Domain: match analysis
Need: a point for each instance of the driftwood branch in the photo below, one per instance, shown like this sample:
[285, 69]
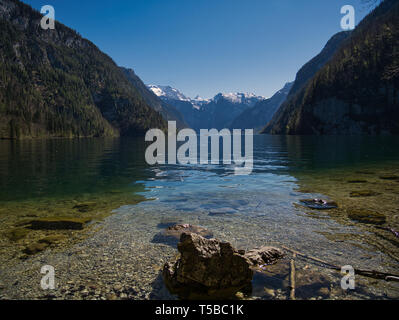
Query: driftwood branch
[367, 273]
[292, 278]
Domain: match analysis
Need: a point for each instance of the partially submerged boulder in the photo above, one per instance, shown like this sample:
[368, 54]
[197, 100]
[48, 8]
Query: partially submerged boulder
[264, 256]
[212, 269]
[319, 204]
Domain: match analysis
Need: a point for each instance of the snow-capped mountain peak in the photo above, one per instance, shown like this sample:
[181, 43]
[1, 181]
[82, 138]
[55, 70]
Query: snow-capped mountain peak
[168, 92]
[238, 97]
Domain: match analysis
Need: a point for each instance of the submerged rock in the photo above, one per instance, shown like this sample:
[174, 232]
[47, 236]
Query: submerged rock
[58, 223]
[389, 177]
[16, 234]
[172, 234]
[212, 269]
[34, 248]
[168, 222]
[366, 216]
[363, 193]
[177, 230]
[319, 204]
[85, 206]
[222, 212]
[52, 239]
[357, 181]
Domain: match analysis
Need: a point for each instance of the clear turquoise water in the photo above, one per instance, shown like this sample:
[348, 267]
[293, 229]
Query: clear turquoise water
[258, 209]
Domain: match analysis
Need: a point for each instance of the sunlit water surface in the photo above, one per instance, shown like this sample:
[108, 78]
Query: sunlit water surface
[250, 210]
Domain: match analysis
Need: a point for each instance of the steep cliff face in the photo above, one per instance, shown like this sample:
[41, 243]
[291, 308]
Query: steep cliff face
[54, 83]
[308, 71]
[357, 91]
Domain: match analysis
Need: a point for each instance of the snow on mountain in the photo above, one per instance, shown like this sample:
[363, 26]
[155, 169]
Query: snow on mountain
[241, 98]
[168, 92]
[174, 94]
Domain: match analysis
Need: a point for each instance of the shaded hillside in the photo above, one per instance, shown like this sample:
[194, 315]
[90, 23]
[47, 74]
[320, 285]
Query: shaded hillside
[168, 112]
[53, 83]
[256, 117]
[357, 91]
[308, 71]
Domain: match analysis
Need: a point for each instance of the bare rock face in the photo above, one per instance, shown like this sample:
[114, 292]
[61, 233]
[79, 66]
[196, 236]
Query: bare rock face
[209, 268]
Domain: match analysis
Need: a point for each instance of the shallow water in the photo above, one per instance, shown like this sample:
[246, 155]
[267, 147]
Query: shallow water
[248, 211]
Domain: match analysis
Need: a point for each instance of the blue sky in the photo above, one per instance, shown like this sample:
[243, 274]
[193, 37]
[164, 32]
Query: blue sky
[207, 46]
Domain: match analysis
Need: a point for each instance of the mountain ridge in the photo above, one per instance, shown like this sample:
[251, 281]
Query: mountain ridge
[357, 91]
[54, 83]
[215, 113]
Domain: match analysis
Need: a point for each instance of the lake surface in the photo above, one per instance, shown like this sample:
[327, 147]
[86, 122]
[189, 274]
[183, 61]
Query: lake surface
[50, 178]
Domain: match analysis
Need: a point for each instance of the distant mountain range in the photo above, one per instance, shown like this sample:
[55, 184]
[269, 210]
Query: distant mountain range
[218, 112]
[356, 90]
[54, 83]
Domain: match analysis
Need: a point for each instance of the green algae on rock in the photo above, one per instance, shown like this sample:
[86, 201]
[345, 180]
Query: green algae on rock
[55, 238]
[357, 181]
[85, 207]
[389, 177]
[363, 193]
[366, 216]
[16, 234]
[58, 223]
[34, 248]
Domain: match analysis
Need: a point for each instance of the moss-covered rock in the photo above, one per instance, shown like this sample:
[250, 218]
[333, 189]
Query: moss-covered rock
[363, 193]
[34, 248]
[16, 234]
[389, 177]
[357, 181]
[85, 206]
[366, 216]
[58, 223]
[56, 238]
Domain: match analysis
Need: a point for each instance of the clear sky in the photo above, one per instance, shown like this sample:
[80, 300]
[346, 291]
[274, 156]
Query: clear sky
[207, 46]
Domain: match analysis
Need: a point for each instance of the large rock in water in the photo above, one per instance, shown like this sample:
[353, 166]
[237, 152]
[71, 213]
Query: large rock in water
[211, 269]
